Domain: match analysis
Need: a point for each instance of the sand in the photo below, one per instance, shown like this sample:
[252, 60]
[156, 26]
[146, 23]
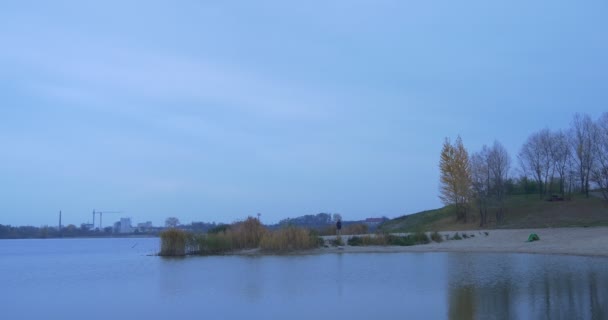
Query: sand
[570, 241]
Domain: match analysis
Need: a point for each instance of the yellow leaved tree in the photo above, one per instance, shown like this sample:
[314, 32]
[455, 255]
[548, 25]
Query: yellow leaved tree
[455, 177]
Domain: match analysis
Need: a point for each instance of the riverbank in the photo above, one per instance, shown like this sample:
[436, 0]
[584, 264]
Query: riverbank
[568, 241]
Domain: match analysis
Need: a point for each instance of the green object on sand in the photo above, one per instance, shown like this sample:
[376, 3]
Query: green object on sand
[533, 237]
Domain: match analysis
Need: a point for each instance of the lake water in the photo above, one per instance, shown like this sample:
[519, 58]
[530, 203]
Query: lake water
[115, 279]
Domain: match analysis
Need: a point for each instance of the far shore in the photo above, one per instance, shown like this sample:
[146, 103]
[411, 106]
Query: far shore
[591, 241]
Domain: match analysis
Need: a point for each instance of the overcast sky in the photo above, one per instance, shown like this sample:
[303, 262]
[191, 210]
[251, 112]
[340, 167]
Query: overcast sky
[215, 110]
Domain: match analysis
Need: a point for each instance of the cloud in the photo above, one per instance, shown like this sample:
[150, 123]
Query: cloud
[88, 72]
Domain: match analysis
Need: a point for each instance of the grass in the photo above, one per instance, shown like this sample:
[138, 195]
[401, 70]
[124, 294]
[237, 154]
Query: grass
[521, 211]
[417, 221]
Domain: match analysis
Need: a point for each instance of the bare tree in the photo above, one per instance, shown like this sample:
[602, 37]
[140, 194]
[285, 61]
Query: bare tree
[480, 182]
[499, 163]
[535, 158]
[561, 156]
[599, 172]
[582, 143]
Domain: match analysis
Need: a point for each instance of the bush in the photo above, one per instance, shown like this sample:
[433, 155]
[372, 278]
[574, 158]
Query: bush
[337, 242]
[173, 243]
[456, 237]
[420, 238]
[435, 236]
[378, 240]
[400, 241]
[355, 241]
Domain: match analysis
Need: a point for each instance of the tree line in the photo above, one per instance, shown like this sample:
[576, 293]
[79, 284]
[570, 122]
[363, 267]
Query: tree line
[552, 163]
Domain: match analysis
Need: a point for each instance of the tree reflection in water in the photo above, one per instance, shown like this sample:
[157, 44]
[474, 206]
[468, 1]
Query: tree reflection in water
[518, 286]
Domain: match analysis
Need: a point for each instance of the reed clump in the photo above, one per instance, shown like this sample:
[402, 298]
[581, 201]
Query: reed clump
[246, 234]
[288, 239]
[173, 243]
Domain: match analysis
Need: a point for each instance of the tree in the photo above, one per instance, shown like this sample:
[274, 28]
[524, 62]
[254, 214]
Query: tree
[499, 163]
[561, 157]
[480, 181]
[455, 177]
[535, 158]
[171, 222]
[489, 173]
[599, 172]
[582, 136]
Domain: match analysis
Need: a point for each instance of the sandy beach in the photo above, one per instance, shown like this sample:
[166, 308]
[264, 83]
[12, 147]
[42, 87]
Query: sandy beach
[571, 241]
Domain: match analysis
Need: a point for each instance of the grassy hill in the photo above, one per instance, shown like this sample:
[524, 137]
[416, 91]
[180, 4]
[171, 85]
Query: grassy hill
[521, 211]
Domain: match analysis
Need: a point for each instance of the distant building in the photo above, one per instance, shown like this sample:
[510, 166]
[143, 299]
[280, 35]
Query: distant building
[123, 226]
[144, 226]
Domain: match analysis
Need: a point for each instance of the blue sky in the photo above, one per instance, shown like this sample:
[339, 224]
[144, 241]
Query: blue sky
[215, 110]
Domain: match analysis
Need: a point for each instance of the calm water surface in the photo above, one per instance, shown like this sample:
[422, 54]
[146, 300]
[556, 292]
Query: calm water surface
[115, 279]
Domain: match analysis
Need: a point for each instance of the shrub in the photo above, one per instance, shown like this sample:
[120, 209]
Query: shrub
[355, 241]
[435, 236]
[173, 243]
[420, 238]
[337, 241]
[464, 235]
[456, 237]
[378, 240]
[400, 240]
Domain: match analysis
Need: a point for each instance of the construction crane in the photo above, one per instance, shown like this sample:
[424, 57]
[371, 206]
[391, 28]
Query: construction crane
[100, 217]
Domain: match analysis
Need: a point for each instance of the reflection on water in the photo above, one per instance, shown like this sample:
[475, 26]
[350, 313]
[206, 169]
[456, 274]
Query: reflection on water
[493, 286]
[113, 279]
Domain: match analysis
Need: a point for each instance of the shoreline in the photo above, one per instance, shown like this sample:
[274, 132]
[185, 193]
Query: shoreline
[576, 241]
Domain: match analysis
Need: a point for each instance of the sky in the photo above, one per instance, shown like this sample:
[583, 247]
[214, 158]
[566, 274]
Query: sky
[216, 110]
